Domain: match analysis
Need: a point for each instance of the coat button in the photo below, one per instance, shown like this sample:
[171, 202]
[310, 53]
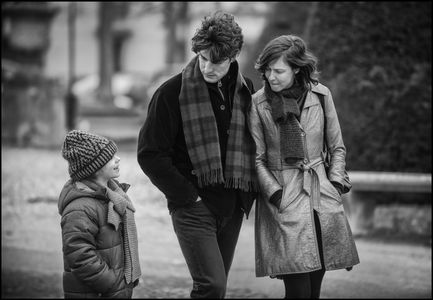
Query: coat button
[222, 107]
[193, 172]
[305, 160]
[302, 133]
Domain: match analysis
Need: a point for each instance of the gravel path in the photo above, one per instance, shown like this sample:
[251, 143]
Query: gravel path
[32, 259]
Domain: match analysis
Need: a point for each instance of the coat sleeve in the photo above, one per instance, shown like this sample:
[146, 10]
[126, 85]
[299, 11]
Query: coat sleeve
[79, 228]
[267, 181]
[337, 171]
[156, 141]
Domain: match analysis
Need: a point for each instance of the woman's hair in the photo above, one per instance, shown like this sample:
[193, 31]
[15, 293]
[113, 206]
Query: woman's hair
[219, 34]
[295, 53]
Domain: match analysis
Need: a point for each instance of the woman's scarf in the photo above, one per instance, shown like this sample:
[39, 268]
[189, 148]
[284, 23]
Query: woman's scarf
[286, 112]
[201, 134]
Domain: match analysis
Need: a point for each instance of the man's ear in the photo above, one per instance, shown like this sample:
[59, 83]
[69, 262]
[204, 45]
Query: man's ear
[234, 57]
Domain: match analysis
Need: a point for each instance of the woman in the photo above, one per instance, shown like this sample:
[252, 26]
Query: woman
[300, 227]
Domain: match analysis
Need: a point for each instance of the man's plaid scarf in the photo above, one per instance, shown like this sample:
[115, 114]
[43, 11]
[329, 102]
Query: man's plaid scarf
[201, 134]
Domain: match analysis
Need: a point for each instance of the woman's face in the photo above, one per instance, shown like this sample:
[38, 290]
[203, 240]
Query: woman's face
[110, 170]
[280, 75]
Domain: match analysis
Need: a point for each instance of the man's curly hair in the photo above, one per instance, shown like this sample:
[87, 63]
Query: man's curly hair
[221, 35]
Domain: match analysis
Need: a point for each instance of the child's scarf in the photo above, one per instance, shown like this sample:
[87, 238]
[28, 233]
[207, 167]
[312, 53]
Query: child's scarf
[120, 208]
[201, 134]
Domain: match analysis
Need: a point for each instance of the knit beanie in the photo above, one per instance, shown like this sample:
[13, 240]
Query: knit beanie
[86, 153]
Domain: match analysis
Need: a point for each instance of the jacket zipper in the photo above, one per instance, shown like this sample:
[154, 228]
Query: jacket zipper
[219, 90]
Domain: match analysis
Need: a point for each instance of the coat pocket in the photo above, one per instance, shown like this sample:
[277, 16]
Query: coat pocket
[292, 187]
[329, 190]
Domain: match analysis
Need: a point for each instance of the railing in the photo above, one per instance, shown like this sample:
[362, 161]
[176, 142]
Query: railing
[361, 209]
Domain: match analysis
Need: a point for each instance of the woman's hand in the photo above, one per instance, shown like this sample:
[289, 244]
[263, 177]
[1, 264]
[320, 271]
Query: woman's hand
[276, 198]
[338, 187]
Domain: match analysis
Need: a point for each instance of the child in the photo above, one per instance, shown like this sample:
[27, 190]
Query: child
[100, 248]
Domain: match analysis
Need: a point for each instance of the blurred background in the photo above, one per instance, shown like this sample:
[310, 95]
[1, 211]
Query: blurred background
[95, 66]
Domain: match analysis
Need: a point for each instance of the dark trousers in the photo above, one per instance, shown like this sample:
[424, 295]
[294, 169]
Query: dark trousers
[208, 244]
[306, 285]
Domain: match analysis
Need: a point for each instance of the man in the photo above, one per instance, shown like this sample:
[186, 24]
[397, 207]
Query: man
[196, 148]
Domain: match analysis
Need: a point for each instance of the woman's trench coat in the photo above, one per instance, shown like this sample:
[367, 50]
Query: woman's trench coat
[285, 238]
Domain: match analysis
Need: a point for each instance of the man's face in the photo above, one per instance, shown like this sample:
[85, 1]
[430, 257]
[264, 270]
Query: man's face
[212, 72]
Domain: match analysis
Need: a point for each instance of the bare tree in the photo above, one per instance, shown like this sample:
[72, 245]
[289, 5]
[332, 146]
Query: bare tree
[106, 60]
[71, 100]
[176, 22]
[310, 20]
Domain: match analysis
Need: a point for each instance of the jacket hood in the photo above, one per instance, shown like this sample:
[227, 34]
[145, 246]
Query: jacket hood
[75, 190]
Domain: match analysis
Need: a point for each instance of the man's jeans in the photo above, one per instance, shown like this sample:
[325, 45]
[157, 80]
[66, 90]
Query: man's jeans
[208, 244]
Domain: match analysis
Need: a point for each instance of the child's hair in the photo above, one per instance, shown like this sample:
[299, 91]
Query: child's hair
[86, 153]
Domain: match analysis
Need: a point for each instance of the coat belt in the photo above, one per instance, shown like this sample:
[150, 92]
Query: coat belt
[311, 182]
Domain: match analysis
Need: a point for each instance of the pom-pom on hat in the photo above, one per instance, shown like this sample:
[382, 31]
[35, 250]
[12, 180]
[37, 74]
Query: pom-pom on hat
[86, 153]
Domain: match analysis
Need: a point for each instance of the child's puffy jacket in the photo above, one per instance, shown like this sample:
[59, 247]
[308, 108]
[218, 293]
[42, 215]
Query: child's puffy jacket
[92, 248]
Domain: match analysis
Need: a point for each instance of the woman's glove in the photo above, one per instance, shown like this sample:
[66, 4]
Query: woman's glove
[276, 198]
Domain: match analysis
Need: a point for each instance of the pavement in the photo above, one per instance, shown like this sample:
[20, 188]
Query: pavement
[31, 258]
[387, 270]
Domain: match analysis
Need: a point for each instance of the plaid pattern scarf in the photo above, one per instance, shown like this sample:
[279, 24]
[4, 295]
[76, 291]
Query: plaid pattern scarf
[201, 134]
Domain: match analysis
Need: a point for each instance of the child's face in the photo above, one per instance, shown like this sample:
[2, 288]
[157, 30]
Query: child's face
[110, 170]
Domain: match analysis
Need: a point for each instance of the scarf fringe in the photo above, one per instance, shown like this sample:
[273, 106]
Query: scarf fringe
[242, 184]
[216, 176]
[211, 177]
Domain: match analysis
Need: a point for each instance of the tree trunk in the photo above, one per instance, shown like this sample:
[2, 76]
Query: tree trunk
[310, 21]
[176, 23]
[71, 99]
[106, 14]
